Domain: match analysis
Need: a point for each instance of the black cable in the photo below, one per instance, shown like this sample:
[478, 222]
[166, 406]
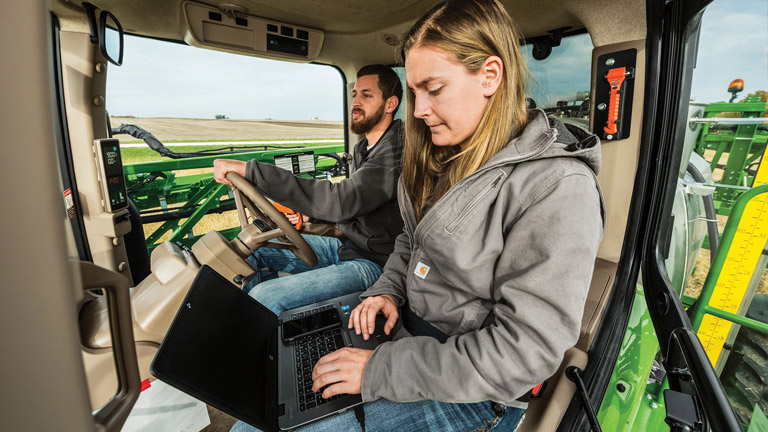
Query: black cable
[360, 416]
[156, 145]
[573, 373]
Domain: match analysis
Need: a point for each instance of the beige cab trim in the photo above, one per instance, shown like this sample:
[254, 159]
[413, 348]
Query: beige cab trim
[247, 37]
[113, 414]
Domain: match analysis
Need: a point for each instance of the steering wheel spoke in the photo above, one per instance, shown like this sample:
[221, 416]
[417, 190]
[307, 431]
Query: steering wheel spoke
[270, 222]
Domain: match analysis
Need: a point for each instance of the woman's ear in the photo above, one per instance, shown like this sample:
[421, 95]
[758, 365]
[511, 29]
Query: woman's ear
[492, 71]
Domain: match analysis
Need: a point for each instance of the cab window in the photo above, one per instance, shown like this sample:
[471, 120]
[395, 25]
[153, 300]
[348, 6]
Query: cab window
[201, 104]
[716, 239]
[560, 83]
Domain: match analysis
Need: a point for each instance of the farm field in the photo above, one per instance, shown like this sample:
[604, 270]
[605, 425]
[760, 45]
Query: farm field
[185, 129]
[180, 130]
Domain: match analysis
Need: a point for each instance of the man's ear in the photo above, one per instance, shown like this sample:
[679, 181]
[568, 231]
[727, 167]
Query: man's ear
[390, 105]
[492, 72]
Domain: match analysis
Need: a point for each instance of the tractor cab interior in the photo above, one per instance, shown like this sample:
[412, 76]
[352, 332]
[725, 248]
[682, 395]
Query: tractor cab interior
[346, 35]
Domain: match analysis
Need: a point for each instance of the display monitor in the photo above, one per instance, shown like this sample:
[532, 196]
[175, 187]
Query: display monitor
[111, 174]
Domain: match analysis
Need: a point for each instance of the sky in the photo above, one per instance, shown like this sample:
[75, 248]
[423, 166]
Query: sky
[561, 75]
[161, 79]
[733, 44]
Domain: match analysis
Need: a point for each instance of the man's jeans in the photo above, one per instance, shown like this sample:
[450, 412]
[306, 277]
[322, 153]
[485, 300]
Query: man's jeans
[306, 285]
[386, 416]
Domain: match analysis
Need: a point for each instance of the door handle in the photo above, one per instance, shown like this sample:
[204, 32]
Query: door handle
[116, 287]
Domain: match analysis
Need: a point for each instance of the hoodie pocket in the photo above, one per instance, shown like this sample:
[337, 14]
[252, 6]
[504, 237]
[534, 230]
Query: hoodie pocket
[451, 228]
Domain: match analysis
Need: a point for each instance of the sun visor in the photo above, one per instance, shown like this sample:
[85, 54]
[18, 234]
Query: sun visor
[237, 31]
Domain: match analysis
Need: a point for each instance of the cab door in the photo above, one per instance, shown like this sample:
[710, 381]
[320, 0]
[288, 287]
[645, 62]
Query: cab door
[695, 398]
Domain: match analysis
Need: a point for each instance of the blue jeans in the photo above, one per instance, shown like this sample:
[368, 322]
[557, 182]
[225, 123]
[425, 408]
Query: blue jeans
[306, 285]
[386, 416]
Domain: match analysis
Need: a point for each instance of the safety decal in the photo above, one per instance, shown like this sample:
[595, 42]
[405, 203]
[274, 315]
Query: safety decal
[69, 203]
[421, 270]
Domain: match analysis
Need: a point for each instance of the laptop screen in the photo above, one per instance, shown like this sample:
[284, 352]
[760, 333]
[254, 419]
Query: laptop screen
[221, 348]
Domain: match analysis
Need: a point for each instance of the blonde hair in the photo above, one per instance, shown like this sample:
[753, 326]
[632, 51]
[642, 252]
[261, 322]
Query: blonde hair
[470, 31]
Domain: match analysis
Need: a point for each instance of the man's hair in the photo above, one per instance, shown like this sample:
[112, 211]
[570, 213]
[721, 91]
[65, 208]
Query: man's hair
[389, 82]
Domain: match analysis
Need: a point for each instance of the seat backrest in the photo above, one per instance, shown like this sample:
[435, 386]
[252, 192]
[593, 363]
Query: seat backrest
[545, 412]
[154, 301]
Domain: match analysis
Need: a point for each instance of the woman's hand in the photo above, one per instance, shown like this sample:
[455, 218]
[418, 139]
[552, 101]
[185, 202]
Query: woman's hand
[341, 370]
[363, 317]
[222, 166]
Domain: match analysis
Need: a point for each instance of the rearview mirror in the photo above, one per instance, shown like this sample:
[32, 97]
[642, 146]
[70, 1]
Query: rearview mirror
[111, 38]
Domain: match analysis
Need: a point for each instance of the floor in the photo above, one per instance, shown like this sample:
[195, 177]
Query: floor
[220, 422]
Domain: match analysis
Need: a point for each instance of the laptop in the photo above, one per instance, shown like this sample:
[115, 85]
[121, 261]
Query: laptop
[230, 351]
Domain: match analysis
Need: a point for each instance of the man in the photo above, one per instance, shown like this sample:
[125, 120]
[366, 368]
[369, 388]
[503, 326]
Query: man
[364, 206]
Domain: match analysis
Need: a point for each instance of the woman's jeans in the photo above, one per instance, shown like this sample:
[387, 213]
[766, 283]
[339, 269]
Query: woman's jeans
[387, 416]
[330, 278]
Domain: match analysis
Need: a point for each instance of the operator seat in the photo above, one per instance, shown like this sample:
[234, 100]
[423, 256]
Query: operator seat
[154, 301]
[544, 413]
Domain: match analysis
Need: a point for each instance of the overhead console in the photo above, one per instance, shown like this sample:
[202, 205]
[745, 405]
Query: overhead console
[237, 31]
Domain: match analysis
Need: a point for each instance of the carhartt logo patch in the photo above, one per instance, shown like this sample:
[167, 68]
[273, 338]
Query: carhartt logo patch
[421, 270]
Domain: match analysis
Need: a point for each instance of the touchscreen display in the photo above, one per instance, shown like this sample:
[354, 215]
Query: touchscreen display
[297, 163]
[314, 323]
[113, 174]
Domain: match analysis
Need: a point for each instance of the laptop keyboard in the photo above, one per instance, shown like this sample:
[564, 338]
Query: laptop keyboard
[307, 351]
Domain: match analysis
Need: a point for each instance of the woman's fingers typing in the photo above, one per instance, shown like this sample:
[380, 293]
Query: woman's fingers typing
[340, 371]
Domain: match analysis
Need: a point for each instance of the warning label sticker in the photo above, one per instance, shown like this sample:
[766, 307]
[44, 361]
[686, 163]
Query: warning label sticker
[69, 203]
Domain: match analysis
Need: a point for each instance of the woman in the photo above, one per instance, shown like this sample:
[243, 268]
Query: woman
[503, 218]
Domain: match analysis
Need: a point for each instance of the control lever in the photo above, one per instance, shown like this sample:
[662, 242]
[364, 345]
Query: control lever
[241, 280]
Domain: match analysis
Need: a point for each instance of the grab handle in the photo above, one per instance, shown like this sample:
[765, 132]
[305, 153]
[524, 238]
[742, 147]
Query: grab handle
[113, 414]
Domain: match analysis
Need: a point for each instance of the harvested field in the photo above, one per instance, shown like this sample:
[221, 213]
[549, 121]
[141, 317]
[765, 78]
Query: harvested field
[182, 129]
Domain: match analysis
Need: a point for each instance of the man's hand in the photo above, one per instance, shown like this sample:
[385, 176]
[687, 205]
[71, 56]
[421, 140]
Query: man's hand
[363, 317]
[342, 370]
[293, 218]
[222, 166]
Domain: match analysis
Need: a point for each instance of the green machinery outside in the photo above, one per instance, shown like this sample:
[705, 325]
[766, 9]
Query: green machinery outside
[739, 131]
[734, 335]
[162, 194]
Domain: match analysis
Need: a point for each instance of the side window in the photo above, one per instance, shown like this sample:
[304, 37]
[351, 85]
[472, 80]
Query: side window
[716, 259]
[199, 105]
[559, 84]
[400, 70]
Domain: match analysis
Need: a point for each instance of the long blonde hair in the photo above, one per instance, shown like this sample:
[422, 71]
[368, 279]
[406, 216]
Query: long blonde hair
[470, 31]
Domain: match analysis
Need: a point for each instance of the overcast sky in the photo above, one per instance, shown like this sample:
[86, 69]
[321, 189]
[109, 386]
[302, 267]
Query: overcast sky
[160, 79]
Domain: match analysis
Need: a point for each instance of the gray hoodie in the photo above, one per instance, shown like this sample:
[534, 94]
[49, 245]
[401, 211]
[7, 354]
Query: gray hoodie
[518, 238]
[364, 205]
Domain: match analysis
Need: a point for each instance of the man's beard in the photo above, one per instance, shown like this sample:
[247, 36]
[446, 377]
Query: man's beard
[364, 126]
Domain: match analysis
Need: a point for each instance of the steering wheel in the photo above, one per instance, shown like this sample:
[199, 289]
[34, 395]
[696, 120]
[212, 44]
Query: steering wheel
[267, 222]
